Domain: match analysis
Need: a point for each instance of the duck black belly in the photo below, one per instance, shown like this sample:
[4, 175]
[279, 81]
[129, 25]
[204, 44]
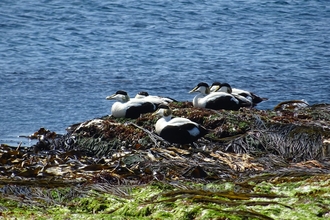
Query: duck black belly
[181, 135]
[223, 102]
[135, 111]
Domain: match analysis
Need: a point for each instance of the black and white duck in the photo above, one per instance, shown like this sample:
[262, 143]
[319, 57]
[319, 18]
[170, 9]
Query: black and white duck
[214, 100]
[255, 99]
[244, 102]
[153, 98]
[129, 108]
[177, 130]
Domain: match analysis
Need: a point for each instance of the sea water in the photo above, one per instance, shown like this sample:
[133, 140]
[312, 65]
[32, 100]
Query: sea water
[60, 59]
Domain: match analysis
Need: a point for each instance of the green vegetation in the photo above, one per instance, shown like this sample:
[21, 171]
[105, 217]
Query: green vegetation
[276, 198]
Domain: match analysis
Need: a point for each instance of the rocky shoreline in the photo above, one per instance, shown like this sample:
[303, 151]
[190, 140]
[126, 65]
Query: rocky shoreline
[249, 154]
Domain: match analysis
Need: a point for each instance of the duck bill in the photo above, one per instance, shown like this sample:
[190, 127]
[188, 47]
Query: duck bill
[193, 90]
[111, 97]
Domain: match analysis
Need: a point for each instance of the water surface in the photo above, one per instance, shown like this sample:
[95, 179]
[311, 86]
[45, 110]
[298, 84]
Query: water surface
[60, 59]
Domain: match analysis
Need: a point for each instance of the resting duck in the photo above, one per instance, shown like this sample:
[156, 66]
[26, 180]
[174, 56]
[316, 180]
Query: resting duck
[243, 101]
[126, 108]
[153, 98]
[214, 100]
[177, 130]
[249, 95]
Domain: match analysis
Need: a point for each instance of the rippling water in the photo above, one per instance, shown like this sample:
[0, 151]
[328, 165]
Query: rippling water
[60, 59]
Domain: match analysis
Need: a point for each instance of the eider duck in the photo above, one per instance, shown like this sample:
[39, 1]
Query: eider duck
[215, 86]
[153, 98]
[177, 130]
[249, 95]
[126, 108]
[214, 100]
[244, 102]
[141, 95]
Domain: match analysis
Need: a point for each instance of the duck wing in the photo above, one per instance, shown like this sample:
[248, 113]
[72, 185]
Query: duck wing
[249, 95]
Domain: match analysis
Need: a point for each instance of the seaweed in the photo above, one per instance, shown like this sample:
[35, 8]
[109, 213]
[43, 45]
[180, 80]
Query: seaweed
[253, 150]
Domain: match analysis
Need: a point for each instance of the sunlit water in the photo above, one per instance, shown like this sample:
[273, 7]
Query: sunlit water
[60, 59]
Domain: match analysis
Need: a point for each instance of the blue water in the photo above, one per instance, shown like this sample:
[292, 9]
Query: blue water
[60, 59]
